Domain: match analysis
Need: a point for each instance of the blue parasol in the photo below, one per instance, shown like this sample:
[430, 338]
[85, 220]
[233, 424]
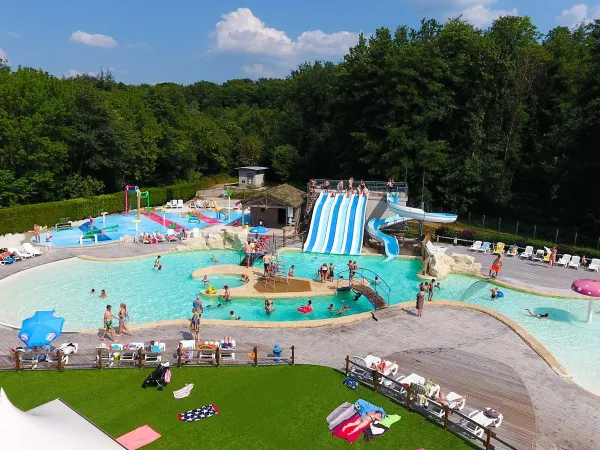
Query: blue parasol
[259, 229]
[41, 328]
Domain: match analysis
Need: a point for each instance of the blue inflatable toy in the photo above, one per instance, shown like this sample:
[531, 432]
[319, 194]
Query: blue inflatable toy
[499, 294]
[351, 383]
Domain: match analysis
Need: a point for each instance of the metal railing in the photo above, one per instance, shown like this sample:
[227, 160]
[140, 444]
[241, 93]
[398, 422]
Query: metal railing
[365, 277]
[372, 186]
[404, 395]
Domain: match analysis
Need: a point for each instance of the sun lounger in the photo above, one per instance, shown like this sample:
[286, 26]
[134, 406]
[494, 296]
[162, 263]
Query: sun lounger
[476, 246]
[179, 203]
[130, 351]
[455, 401]
[21, 255]
[28, 359]
[152, 352]
[574, 262]
[485, 247]
[196, 232]
[32, 250]
[513, 250]
[482, 420]
[594, 265]
[564, 260]
[227, 353]
[107, 354]
[189, 345]
[499, 249]
[364, 368]
[528, 253]
[171, 235]
[433, 249]
[539, 255]
[403, 382]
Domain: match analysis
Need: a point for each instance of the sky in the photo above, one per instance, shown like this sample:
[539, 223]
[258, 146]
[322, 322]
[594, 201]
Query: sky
[184, 41]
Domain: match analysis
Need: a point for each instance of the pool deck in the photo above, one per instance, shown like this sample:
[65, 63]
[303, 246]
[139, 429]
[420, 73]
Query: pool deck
[478, 354]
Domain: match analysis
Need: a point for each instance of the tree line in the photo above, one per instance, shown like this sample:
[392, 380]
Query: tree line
[504, 120]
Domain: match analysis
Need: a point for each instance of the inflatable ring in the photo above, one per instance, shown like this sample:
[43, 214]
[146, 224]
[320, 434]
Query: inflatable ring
[304, 309]
[206, 347]
[211, 290]
[251, 355]
[499, 294]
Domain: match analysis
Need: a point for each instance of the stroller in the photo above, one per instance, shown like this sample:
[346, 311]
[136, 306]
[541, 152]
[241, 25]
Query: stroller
[159, 378]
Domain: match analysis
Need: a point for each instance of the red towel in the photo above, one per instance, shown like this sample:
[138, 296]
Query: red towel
[337, 431]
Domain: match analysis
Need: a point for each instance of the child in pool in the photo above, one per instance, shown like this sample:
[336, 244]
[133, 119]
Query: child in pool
[331, 308]
[494, 292]
[206, 281]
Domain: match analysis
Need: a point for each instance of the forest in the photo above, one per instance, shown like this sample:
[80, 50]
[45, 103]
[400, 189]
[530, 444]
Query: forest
[504, 120]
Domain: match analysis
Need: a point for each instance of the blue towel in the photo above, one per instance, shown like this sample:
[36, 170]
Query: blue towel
[364, 407]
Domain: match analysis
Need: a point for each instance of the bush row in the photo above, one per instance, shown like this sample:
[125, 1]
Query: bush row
[19, 219]
[509, 239]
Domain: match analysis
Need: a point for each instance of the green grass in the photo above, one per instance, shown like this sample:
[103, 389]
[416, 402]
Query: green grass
[261, 407]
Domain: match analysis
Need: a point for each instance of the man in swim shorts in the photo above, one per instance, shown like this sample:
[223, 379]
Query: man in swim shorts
[266, 262]
[248, 252]
[108, 323]
[198, 305]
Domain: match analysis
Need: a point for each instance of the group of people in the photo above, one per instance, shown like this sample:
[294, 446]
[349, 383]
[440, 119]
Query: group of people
[340, 311]
[425, 288]
[341, 187]
[122, 318]
[254, 248]
[8, 256]
[326, 273]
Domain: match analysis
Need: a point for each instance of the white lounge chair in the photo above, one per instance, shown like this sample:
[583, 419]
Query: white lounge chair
[189, 345]
[476, 246]
[32, 250]
[594, 265]
[455, 401]
[363, 370]
[68, 349]
[539, 255]
[482, 421]
[228, 353]
[564, 260]
[407, 381]
[152, 354]
[575, 260]
[485, 247]
[512, 251]
[433, 249]
[21, 255]
[528, 253]
[130, 351]
[180, 203]
[106, 354]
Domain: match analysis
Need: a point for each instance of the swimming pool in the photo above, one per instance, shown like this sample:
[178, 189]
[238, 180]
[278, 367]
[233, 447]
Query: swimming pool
[120, 225]
[154, 296]
[218, 281]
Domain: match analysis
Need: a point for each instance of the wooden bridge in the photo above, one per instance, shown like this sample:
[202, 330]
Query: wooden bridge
[370, 294]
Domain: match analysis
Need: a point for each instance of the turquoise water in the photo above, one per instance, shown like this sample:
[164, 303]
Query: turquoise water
[218, 281]
[168, 294]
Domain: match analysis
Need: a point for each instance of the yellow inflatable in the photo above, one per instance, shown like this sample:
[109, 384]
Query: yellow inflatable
[211, 290]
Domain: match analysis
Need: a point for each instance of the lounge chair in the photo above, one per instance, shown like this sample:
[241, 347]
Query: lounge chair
[482, 421]
[130, 351]
[433, 249]
[196, 232]
[32, 250]
[21, 255]
[188, 345]
[106, 354]
[594, 265]
[403, 382]
[228, 353]
[437, 409]
[363, 369]
[564, 260]
[171, 236]
[28, 359]
[476, 246]
[574, 262]
[179, 203]
[153, 351]
[68, 349]
[6, 260]
[499, 249]
[513, 250]
[539, 255]
[528, 253]
[485, 247]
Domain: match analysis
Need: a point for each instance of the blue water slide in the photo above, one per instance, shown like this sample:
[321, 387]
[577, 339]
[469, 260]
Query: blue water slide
[351, 225]
[334, 225]
[390, 243]
[342, 226]
[324, 224]
[314, 222]
[359, 230]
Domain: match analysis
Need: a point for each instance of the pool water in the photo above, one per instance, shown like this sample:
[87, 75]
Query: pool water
[218, 281]
[168, 294]
[125, 226]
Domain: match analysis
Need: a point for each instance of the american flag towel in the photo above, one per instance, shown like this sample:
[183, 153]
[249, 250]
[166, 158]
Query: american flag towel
[199, 413]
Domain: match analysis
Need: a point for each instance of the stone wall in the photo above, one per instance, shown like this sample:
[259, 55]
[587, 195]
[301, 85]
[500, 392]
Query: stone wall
[230, 239]
[440, 265]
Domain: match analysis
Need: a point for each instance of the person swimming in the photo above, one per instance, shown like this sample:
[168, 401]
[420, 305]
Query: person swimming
[539, 316]
[269, 306]
[93, 292]
[206, 281]
[494, 292]
[233, 316]
[157, 264]
[343, 309]
[331, 308]
[103, 294]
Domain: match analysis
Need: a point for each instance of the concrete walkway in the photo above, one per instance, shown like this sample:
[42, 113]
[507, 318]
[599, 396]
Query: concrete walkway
[551, 412]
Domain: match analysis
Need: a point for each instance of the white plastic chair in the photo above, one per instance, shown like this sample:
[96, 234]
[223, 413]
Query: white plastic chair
[594, 265]
[482, 421]
[437, 409]
[180, 203]
[528, 253]
[575, 261]
[564, 260]
[485, 247]
[476, 246]
[32, 250]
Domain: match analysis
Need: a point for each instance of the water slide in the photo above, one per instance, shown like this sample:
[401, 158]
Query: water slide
[359, 226]
[314, 222]
[336, 240]
[324, 224]
[403, 214]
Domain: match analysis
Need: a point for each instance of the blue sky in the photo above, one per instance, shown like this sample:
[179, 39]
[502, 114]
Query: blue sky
[150, 41]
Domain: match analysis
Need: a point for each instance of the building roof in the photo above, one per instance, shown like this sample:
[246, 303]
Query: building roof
[252, 168]
[284, 194]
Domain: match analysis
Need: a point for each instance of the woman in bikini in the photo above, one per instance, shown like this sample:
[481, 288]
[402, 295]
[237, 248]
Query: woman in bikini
[123, 319]
[269, 306]
[362, 422]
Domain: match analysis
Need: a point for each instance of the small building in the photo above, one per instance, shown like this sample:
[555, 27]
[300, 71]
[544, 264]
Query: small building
[276, 207]
[251, 176]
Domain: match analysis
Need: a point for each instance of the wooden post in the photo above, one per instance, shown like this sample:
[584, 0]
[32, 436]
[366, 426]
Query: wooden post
[446, 414]
[59, 359]
[100, 358]
[217, 356]
[283, 238]
[409, 394]
[140, 358]
[179, 356]
[18, 354]
[488, 442]
[293, 355]
[347, 365]
[255, 350]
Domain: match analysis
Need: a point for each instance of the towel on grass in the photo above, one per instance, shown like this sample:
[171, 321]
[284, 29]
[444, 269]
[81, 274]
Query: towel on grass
[364, 407]
[199, 413]
[350, 437]
[340, 414]
[138, 438]
[380, 427]
[184, 391]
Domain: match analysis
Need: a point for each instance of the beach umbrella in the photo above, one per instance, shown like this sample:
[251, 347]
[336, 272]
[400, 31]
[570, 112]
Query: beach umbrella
[259, 229]
[41, 328]
[590, 288]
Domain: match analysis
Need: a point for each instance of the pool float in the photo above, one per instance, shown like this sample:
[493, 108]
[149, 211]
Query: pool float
[304, 309]
[499, 294]
[211, 290]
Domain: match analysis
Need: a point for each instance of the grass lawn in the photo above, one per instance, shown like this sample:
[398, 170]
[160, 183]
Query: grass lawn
[277, 407]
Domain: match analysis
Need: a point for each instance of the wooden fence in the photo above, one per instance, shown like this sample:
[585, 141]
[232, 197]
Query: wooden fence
[404, 395]
[103, 358]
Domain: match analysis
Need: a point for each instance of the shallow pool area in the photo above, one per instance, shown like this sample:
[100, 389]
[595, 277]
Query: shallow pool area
[168, 294]
[221, 280]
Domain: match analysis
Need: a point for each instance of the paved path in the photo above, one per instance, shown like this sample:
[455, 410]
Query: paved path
[471, 352]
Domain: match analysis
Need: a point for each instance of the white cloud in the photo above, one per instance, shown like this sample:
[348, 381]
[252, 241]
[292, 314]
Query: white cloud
[72, 73]
[94, 40]
[13, 34]
[481, 15]
[578, 14]
[241, 31]
[260, 71]
[142, 45]
[3, 55]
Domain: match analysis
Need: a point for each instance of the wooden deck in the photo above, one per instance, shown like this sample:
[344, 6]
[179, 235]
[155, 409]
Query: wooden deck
[376, 300]
[491, 384]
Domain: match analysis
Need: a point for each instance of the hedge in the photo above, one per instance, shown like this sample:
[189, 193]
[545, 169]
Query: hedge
[19, 219]
[509, 239]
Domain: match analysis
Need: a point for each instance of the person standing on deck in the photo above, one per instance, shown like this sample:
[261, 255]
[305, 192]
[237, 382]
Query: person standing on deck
[420, 302]
[552, 259]
[431, 286]
[266, 261]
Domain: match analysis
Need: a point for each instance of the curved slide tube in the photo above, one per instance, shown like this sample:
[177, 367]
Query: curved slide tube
[392, 249]
[418, 213]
